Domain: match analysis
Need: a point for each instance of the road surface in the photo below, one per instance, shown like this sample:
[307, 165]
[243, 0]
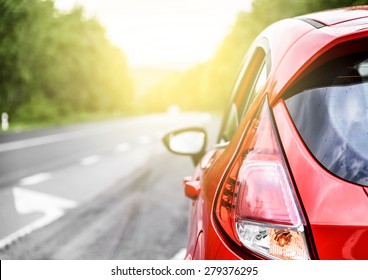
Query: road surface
[105, 190]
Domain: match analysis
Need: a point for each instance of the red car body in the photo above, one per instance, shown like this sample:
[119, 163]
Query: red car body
[332, 208]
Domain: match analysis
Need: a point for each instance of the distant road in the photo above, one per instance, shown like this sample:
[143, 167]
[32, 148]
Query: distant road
[105, 190]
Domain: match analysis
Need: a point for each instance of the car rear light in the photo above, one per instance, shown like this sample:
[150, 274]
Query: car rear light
[257, 206]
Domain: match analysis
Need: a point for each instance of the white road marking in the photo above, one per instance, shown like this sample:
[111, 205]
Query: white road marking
[180, 255]
[38, 141]
[29, 201]
[123, 147]
[145, 139]
[90, 160]
[35, 179]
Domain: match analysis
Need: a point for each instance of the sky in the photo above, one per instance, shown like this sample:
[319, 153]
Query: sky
[173, 34]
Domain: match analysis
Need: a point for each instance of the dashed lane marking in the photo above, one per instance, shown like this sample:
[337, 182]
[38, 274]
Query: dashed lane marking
[145, 139]
[35, 179]
[90, 160]
[180, 255]
[123, 147]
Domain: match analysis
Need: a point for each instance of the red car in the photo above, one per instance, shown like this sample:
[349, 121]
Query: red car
[288, 176]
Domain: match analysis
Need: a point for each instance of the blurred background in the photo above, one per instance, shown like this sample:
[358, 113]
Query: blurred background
[87, 90]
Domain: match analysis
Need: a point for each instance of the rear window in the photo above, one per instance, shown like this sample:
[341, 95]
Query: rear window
[330, 110]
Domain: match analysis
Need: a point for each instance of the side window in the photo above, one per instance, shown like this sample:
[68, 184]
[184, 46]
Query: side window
[259, 83]
[231, 124]
[251, 79]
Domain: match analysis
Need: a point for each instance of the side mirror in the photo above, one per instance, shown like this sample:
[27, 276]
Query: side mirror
[188, 141]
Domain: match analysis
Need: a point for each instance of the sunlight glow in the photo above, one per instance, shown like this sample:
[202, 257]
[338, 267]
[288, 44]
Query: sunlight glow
[164, 33]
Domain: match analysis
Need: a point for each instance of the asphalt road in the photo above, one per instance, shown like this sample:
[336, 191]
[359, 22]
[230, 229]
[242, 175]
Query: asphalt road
[105, 190]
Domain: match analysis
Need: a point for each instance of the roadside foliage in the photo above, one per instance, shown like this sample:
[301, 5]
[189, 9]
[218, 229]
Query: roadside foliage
[57, 64]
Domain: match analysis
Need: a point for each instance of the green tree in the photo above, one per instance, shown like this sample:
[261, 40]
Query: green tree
[57, 64]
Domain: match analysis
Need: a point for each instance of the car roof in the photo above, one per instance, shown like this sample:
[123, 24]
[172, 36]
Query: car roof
[333, 17]
[295, 43]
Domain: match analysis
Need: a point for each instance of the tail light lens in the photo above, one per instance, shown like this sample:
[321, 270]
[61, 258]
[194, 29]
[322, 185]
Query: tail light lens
[257, 206]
